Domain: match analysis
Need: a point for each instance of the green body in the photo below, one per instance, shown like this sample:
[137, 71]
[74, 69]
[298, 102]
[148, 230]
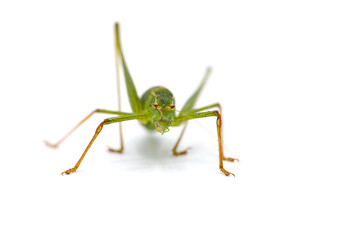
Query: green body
[155, 110]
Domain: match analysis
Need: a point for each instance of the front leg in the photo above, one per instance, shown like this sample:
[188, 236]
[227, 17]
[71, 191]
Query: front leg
[180, 119]
[98, 130]
[221, 150]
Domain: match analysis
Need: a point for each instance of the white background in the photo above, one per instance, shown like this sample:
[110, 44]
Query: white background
[287, 76]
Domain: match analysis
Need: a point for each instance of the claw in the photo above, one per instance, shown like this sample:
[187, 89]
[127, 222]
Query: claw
[181, 153]
[226, 172]
[115, 150]
[69, 171]
[50, 144]
[231, 159]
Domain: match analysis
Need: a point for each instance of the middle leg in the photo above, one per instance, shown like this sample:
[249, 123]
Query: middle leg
[174, 150]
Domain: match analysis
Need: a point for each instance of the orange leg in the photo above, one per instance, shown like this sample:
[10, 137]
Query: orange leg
[180, 119]
[98, 130]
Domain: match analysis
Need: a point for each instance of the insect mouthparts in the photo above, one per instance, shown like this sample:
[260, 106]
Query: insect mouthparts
[160, 111]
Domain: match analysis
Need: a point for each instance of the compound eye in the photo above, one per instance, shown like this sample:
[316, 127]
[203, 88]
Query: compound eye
[155, 105]
[172, 106]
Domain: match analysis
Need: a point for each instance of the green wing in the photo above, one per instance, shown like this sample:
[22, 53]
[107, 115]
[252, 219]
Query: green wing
[189, 105]
[133, 97]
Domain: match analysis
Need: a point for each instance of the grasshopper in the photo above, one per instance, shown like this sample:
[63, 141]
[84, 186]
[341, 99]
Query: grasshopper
[155, 110]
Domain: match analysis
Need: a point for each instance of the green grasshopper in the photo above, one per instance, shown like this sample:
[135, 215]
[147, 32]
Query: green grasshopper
[155, 110]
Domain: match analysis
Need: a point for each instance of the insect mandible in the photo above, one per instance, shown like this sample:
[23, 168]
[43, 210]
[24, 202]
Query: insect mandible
[155, 110]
